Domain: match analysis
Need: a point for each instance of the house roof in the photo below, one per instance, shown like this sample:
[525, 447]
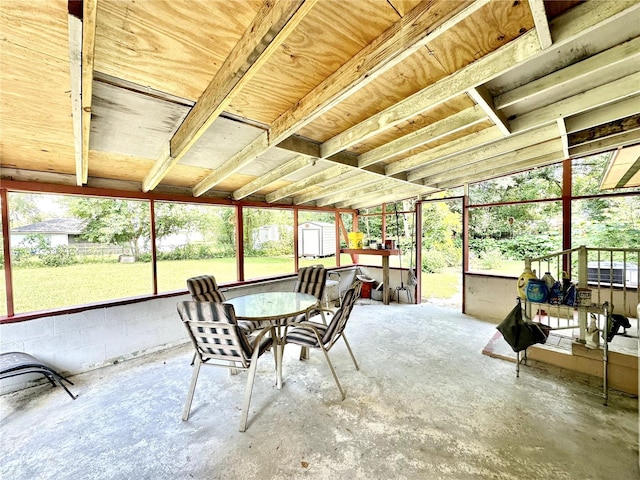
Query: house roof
[313, 102]
[71, 226]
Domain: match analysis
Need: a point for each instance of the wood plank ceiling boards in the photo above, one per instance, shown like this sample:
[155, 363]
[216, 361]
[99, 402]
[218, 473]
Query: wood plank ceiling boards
[314, 102]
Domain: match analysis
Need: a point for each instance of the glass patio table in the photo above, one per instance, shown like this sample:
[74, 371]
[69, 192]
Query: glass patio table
[269, 306]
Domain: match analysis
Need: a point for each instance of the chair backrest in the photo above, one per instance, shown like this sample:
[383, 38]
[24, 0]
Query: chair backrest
[214, 331]
[340, 317]
[312, 280]
[204, 289]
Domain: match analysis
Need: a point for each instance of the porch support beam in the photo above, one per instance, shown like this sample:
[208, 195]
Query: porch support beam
[271, 26]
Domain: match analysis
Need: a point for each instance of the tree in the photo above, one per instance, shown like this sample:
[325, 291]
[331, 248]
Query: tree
[24, 209]
[126, 222]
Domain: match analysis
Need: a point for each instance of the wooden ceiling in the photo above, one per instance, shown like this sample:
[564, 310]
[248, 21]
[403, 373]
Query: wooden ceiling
[333, 103]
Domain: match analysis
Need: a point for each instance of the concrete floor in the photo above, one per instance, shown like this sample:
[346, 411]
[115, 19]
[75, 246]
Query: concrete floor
[425, 404]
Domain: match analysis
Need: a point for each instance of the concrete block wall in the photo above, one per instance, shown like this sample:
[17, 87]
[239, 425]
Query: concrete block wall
[80, 342]
[489, 298]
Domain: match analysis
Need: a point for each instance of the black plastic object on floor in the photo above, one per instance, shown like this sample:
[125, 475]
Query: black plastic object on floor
[617, 321]
[19, 363]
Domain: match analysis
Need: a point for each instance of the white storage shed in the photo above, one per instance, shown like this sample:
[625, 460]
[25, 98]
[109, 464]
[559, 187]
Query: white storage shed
[316, 239]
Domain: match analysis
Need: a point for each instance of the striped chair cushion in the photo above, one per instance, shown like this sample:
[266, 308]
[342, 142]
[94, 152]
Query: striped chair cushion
[341, 316]
[215, 333]
[204, 289]
[311, 280]
[306, 337]
[328, 333]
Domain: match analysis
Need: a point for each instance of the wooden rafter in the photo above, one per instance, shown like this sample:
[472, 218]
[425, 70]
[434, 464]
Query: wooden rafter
[293, 188]
[384, 196]
[75, 74]
[483, 99]
[627, 86]
[613, 58]
[479, 164]
[424, 23]
[278, 173]
[356, 192]
[271, 26]
[515, 142]
[542, 24]
[474, 74]
[562, 129]
[346, 185]
[445, 151]
[89, 15]
[430, 133]
[493, 170]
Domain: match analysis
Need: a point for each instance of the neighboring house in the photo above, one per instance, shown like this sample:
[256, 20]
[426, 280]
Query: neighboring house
[58, 231]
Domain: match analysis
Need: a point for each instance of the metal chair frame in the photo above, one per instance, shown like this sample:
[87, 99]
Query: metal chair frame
[207, 334]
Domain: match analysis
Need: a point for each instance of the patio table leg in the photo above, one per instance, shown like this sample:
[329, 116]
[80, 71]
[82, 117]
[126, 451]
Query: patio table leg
[279, 350]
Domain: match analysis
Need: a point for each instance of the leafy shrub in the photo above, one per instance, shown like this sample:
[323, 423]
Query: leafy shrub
[191, 251]
[273, 248]
[59, 256]
[516, 248]
[433, 261]
[524, 246]
[491, 259]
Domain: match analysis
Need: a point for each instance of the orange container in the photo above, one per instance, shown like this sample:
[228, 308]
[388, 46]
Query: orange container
[365, 292]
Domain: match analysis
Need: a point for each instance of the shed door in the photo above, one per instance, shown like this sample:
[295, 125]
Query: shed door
[310, 243]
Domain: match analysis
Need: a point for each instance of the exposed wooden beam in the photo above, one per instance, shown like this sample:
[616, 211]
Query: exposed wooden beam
[506, 145]
[271, 26]
[355, 192]
[346, 185]
[562, 129]
[482, 70]
[310, 149]
[430, 133]
[600, 132]
[293, 188]
[541, 22]
[421, 25]
[608, 113]
[500, 170]
[278, 173]
[235, 163]
[605, 144]
[483, 98]
[89, 15]
[447, 150]
[583, 19]
[75, 74]
[625, 53]
[611, 92]
[477, 165]
[385, 196]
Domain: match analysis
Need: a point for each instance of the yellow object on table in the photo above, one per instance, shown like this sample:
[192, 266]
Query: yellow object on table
[356, 239]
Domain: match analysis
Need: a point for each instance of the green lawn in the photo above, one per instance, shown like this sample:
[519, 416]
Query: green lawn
[48, 288]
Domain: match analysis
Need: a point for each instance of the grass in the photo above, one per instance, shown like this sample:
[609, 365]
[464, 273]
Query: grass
[48, 288]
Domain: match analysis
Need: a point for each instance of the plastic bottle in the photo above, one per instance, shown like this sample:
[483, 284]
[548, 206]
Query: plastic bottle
[549, 280]
[537, 291]
[524, 278]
